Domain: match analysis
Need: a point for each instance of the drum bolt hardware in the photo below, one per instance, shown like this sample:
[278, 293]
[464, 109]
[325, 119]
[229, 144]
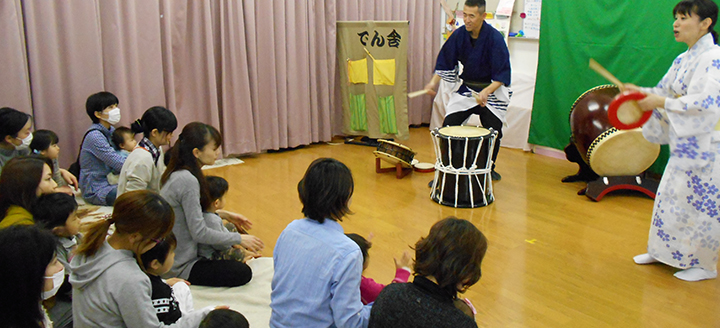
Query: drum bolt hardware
[638, 180]
[605, 181]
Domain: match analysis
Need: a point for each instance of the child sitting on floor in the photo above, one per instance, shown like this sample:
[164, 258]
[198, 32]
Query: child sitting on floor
[224, 318]
[45, 143]
[217, 188]
[57, 212]
[369, 289]
[170, 298]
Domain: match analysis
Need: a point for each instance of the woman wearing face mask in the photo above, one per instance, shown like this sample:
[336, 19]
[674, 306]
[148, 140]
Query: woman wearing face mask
[23, 180]
[109, 287]
[97, 153]
[16, 138]
[30, 273]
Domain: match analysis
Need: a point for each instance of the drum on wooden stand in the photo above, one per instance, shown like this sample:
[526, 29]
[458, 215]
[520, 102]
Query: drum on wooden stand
[394, 153]
[463, 165]
[608, 151]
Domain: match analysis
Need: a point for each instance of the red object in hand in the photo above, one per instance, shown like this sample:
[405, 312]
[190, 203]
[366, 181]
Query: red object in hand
[631, 115]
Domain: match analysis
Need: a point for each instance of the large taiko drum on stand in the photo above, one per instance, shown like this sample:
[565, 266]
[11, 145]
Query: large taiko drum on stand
[463, 165]
[608, 151]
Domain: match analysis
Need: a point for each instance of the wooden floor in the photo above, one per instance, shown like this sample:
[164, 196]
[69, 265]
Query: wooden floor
[555, 259]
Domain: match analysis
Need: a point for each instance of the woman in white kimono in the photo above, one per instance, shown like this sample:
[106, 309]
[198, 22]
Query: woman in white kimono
[685, 228]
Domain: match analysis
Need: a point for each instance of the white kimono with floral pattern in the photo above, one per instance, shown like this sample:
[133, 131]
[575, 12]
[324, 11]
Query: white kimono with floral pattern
[685, 230]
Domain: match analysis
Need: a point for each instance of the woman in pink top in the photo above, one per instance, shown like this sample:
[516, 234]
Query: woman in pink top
[369, 289]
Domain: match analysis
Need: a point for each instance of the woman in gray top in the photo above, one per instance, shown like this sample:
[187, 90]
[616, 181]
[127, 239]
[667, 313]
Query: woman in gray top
[109, 287]
[185, 188]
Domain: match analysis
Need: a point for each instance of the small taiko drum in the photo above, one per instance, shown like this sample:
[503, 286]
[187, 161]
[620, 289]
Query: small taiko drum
[608, 151]
[462, 169]
[394, 153]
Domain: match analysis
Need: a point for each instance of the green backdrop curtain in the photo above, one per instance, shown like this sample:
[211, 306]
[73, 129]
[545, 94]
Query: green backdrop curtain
[632, 39]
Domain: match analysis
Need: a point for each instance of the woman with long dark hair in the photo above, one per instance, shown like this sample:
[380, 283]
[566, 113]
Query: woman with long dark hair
[30, 273]
[185, 188]
[22, 181]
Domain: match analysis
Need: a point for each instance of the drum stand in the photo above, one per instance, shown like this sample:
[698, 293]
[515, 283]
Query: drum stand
[400, 171]
[597, 189]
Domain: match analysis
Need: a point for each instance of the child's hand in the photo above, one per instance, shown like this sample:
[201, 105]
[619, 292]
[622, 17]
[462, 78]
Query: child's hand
[173, 281]
[405, 261]
[252, 243]
[69, 178]
[240, 221]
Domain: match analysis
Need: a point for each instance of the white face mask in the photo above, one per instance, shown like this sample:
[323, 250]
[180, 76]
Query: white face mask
[25, 142]
[57, 279]
[113, 116]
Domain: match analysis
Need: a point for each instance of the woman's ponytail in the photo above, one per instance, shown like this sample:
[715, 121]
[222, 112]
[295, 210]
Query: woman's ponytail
[95, 236]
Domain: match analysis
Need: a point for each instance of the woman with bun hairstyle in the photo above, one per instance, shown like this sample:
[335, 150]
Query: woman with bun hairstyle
[144, 167]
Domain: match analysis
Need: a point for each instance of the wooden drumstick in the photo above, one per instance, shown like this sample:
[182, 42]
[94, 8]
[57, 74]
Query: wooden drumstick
[417, 93]
[595, 66]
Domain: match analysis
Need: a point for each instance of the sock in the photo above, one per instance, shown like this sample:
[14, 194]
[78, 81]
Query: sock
[695, 274]
[644, 259]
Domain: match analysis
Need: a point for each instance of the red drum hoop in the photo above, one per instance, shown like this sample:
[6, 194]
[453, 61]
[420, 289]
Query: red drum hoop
[608, 151]
[624, 112]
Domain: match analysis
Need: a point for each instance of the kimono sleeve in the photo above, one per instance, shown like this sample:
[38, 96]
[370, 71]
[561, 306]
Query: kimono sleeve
[500, 61]
[698, 111]
[446, 65]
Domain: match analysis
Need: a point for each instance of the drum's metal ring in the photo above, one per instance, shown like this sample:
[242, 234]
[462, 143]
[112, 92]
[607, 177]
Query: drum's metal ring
[436, 133]
[597, 140]
[599, 87]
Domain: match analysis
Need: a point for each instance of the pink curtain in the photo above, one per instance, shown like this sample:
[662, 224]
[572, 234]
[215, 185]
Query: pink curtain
[263, 72]
[14, 75]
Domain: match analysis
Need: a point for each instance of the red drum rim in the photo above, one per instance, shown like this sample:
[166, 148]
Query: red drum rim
[615, 106]
[422, 167]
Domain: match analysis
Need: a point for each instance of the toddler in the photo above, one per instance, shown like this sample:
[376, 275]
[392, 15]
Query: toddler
[170, 298]
[369, 289]
[45, 143]
[217, 188]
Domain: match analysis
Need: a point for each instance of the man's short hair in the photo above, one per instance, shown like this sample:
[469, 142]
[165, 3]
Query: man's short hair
[475, 3]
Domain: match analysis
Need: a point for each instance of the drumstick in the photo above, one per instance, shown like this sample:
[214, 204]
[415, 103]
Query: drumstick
[595, 66]
[417, 93]
[369, 54]
[447, 9]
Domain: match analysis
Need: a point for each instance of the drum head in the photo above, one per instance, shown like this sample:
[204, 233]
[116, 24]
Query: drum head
[424, 167]
[624, 112]
[622, 153]
[463, 131]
